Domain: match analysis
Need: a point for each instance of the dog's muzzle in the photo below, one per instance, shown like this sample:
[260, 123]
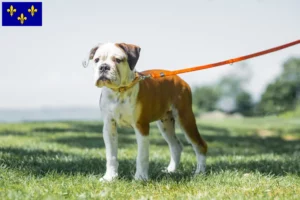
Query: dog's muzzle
[104, 68]
[103, 74]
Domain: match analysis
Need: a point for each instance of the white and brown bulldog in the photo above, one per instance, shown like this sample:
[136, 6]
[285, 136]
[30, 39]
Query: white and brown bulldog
[129, 100]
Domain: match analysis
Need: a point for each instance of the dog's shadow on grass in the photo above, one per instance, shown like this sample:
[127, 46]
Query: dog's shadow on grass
[285, 153]
[249, 144]
[41, 162]
[52, 128]
[92, 141]
[72, 127]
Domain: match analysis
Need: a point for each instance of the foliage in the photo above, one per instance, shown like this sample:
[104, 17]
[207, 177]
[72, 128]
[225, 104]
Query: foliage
[284, 93]
[223, 94]
[244, 104]
[229, 94]
[278, 97]
[233, 90]
[205, 98]
[293, 113]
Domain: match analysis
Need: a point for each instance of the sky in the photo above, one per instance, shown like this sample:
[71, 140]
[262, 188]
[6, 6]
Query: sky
[41, 66]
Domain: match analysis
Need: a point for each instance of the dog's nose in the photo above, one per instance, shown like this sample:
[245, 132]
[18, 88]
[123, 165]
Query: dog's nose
[104, 67]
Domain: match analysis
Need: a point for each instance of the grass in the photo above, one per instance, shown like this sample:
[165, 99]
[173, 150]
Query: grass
[247, 159]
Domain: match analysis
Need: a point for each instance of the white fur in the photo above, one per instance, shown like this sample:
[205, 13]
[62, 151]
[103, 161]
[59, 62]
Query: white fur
[110, 137]
[201, 163]
[201, 158]
[118, 108]
[167, 129]
[142, 160]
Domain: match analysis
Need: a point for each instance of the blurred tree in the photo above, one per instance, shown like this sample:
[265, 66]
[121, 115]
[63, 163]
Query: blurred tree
[291, 74]
[284, 93]
[232, 86]
[235, 82]
[291, 70]
[227, 94]
[206, 97]
[278, 97]
[244, 103]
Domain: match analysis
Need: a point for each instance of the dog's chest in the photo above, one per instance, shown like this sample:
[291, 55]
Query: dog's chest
[121, 108]
[123, 112]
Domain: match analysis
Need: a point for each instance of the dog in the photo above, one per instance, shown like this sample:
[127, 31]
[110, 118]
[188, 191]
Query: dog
[130, 99]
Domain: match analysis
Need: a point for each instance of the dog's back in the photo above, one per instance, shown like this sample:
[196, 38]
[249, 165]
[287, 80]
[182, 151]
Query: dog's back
[161, 97]
[162, 94]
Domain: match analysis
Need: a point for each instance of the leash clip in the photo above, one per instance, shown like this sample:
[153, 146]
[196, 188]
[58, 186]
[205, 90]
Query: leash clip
[144, 77]
[162, 74]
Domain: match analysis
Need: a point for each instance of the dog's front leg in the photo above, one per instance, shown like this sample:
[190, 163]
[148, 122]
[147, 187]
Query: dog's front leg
[110, 137]
[142, 161]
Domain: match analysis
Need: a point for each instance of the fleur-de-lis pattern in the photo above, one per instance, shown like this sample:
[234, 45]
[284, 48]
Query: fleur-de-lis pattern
[32, 10]
[22, 18]
[11, 10]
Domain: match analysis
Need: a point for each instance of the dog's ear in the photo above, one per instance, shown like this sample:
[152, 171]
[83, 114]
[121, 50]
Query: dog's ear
[132, 51]
[90, 56]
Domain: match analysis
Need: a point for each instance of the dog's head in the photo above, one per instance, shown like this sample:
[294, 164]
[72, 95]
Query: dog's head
[113, 63]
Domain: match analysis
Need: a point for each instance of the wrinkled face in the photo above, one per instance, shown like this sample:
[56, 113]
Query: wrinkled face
[109, 65]
[113, 64]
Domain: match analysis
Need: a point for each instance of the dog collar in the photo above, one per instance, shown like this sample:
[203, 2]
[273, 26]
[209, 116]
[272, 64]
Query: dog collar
[138, 78]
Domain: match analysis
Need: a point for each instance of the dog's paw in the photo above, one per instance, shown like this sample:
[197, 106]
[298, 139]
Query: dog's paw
[168, 170]
[200, 169]
[171, 168]
[164, 170]
[141, 177]
[201, 164]
[108, 177]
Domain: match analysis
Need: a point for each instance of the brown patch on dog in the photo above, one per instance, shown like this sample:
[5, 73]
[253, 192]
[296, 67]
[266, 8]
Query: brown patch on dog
[143, 128]
[92, 52]
[157, 95]
[132, 52]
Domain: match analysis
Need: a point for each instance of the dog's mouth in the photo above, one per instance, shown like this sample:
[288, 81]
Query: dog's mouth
[103, 80]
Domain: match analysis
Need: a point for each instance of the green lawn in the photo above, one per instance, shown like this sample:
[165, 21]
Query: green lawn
[247, 159]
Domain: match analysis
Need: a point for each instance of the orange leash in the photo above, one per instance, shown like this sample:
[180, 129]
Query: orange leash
[230, 61]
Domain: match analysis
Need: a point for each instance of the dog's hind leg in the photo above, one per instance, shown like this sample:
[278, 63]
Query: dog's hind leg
[186, 120]
[167, 128]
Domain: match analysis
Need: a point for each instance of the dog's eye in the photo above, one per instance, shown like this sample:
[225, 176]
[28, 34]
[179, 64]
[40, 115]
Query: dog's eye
[96, 60]
[118, 60]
